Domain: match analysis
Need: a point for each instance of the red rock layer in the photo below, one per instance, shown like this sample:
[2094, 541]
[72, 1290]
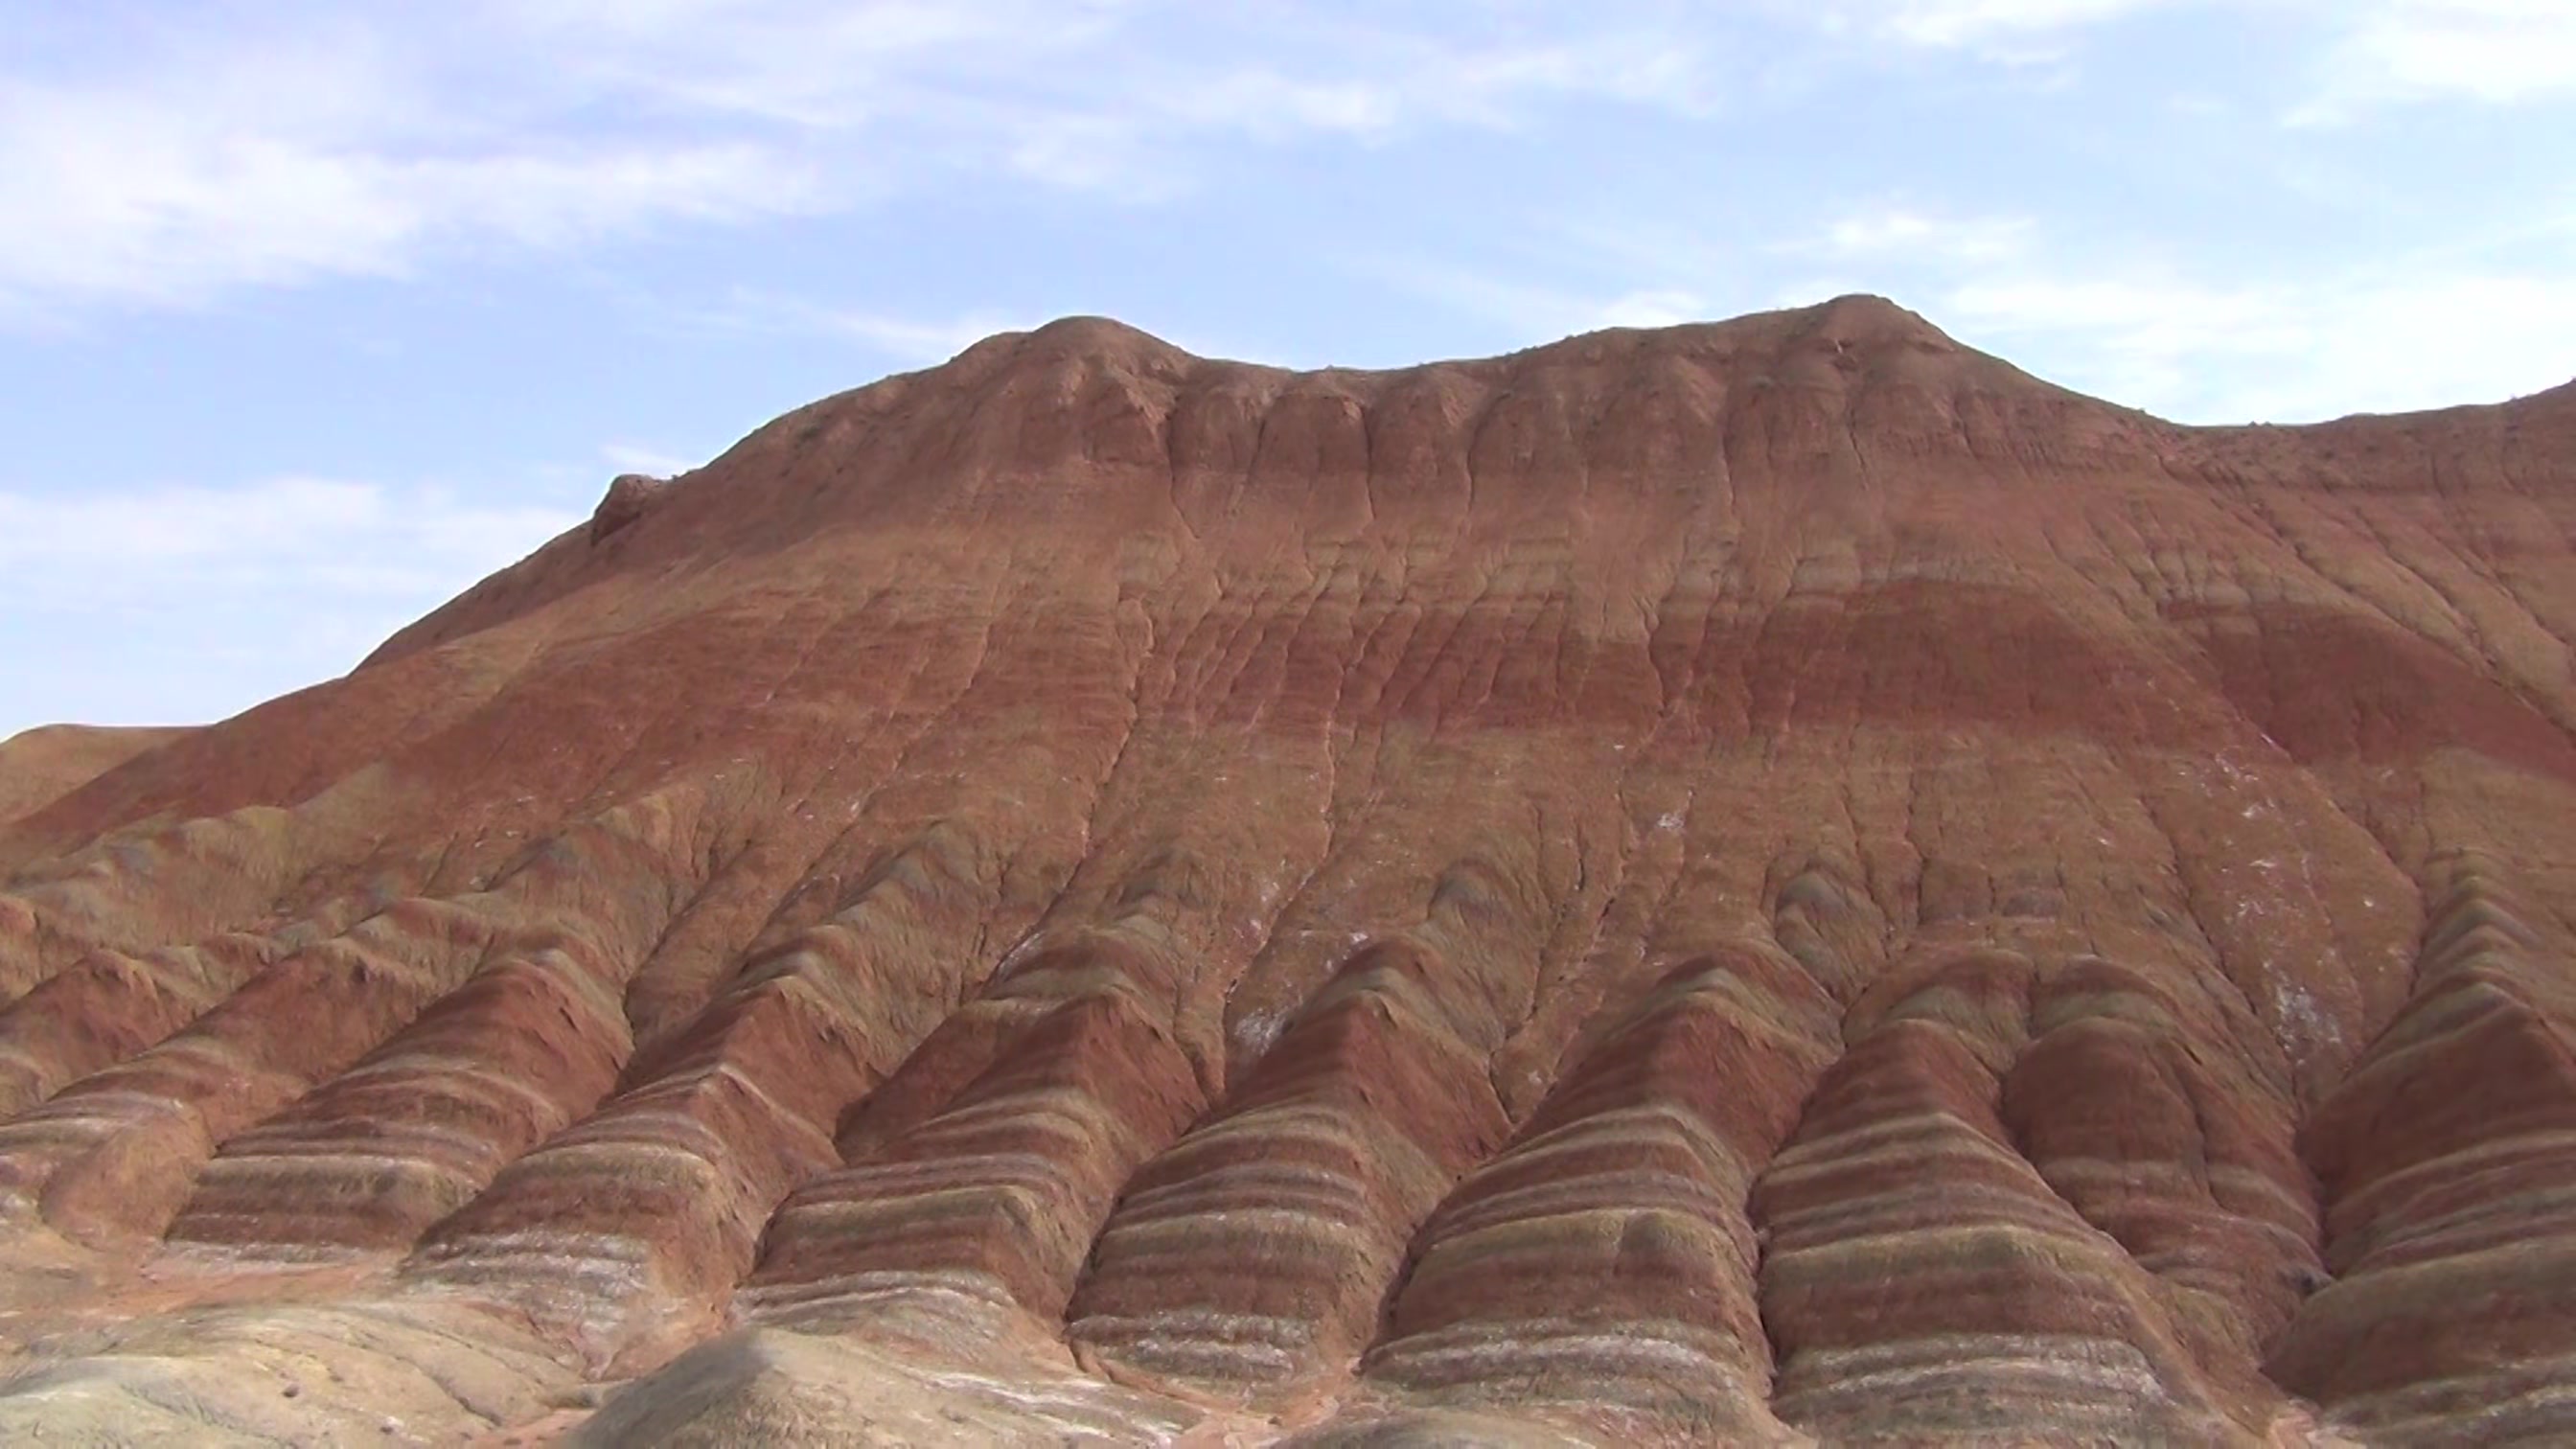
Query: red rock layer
[2448, 1159]
[1604, 1261]
[1916, 1260]
[1001, 1194]
[421, 1124]
[1256, 1250]
[661, 1193]
[117, 1151]
[2162, 1121]
[1777, 877]
[109, 1005]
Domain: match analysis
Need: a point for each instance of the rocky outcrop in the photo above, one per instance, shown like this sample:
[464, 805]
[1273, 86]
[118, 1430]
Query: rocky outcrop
[627, 498]
[1754, 882]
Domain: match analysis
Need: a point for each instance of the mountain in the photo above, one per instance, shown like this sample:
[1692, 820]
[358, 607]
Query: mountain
[40, 766]
[1759, 880]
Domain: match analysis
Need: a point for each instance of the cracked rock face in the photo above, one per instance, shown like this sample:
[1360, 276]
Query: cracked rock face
[1759, 882]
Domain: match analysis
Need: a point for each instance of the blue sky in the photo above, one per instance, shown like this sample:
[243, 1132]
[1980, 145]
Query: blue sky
[311, 314]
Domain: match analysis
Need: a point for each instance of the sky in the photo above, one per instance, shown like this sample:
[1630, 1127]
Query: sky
[311, 314]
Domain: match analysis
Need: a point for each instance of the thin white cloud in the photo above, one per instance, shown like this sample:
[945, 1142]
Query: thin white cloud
[1887, 230]
[317, 143]
[897, 339]
[320, 145]
[1976, 22]
[2371, 52]
[636, 458]
[383, 538]
[801, 65]
[2214, 339]
[2377, 339]
[171, 185]
[123, 601]
[1662, 307]
[2425, 328]
[2497, 52]
[2478, 316]
[1018, 67]
[2008, 32]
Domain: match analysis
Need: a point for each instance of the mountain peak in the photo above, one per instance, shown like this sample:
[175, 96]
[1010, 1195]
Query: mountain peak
[1764, 881]
[1868, 317]
[1076, 336]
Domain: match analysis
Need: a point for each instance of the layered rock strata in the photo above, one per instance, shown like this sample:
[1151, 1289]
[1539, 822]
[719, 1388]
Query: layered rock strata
[1767, 881]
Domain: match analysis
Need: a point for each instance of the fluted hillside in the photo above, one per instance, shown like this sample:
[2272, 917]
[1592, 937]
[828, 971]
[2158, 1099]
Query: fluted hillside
[1764, 881]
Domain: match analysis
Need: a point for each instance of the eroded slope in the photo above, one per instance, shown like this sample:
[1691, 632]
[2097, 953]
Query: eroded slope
[1757, 881]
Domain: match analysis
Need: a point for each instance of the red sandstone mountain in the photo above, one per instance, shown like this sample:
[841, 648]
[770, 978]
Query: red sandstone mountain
[1754, 881]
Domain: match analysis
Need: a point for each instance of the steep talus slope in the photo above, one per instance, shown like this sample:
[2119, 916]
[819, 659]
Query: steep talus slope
[1762, 881]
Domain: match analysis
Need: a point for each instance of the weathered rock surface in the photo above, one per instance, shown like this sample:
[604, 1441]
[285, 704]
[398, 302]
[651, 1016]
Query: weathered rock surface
[1767, 881]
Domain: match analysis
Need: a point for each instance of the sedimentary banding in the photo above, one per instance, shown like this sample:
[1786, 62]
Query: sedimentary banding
[1000, 1194]
[408, 1135]
[117, 1151]
[2145, 1116]
[185, 883]
[1255, 1251]
[2448, 1160]
[1173, 873]
[663, 1189]
[1920, 1277]
[110, 1005]
[1606, 1258]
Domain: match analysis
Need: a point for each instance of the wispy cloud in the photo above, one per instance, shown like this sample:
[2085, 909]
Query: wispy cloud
[2497, 52]
[367, 536]
[175, 166]
[2374, 52]
[121, 601]
[1973, 22]
[2197, 339]
[636, 458]
[320, 146]
[245, 164]
[2013, 32]
[1891, 230]
[2221, 338]
[2377, 339]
